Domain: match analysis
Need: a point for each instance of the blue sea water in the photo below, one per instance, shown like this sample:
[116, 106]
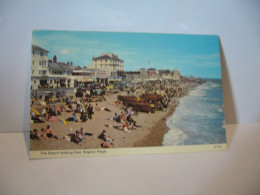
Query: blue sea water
[199, 118]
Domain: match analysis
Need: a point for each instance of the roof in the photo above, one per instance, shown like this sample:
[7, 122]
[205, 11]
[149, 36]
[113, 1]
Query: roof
[105, 57]
[39, 48]
[55, 66]
[164, 71]
[60, 67]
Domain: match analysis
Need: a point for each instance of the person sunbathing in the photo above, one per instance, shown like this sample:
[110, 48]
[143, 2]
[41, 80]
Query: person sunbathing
[47, 116]
[75, 138]
[122, 116]
[37, 119]
[102, 135]
[118, 119]
[53, 118]
[73, 118]
[135, 125]
[107, 144]
[106, 141]
[43, 134]
[129, 119]
[115, 117]
[125, 128]
[49, 132]
[98, 108]
[34, 134]
[82, 134]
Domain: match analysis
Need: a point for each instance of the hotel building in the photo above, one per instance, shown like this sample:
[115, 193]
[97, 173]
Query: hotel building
[108, 61]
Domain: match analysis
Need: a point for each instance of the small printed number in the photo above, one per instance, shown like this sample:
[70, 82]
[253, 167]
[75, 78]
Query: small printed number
[217, 146]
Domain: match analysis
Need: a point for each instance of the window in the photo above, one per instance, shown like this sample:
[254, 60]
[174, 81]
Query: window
[32, 71]
[39, 62]
[41, 53]
[34, 82]
[33, 52]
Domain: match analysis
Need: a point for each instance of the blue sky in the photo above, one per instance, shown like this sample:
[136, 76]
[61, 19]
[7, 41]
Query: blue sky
[196, 55]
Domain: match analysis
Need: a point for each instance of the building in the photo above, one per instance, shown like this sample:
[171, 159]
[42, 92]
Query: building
[83, 76]
[153, 73]
[39, 67]
[132, 75]
[176, 75]
[108, 61]
[165, 74]
[143, 74]
[60, 75]
[47, 73]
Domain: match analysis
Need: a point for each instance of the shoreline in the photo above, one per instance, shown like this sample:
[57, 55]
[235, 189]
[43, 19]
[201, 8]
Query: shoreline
[157, 132]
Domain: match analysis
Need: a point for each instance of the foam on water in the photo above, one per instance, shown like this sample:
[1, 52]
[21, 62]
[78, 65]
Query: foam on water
[198, 119]
[178, 138]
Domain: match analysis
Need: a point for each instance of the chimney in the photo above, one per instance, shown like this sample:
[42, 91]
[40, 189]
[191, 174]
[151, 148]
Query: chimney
[54, 59]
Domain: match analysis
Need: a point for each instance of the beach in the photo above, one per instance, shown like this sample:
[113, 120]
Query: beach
[151, 133]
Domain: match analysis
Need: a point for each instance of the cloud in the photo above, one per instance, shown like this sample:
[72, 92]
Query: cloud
[64, 51]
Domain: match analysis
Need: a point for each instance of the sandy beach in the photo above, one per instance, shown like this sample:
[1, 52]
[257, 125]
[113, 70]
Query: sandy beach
[151, 132]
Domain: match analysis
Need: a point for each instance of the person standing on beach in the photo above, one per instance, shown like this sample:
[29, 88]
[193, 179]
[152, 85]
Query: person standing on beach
[90, 111]
[83, 117]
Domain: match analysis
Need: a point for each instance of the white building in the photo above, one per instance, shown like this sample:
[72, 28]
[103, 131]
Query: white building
[108, 61]
[39, 67]
[176, 75]
[45, 74]
[60, 75]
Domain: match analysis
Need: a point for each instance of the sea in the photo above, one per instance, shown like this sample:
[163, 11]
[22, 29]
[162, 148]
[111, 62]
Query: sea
[199, 118]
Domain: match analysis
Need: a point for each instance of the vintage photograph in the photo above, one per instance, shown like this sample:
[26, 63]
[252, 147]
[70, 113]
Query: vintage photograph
[104, 91]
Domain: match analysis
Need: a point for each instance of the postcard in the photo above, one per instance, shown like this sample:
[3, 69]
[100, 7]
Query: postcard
[119, 93]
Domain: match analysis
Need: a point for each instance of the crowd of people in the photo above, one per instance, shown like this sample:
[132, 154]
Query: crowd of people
[52, 113]
[81, 111]
[46, 133]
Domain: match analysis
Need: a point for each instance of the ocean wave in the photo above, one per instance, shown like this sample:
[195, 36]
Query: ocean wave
[196, 120]
[224, 124]
[175, 137]
[212, 84]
